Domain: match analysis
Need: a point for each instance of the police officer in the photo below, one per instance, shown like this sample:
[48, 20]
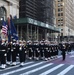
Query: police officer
[3, 53]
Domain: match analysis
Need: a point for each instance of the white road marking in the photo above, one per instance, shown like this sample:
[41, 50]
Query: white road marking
[51, 70]
[66, 70]
[16, 66]
[71, 56]
[24, 68]
[37, 69]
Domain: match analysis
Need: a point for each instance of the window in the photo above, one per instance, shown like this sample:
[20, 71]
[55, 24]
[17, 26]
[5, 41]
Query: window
[59, 4]
[58, 14]
[2, 12]
[59, 10]
[61, 34]
[61, 29]
[59, 0]
[61, 19]
[61, 24]
[58, 19]
[61, 14]
[58, 24]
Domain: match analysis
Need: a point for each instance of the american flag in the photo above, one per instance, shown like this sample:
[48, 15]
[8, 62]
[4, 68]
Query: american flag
[4, 28]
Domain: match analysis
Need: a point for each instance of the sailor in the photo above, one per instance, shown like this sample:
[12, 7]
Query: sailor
[13, 50]
[36, 49]
[9, 54]
[30, 49]
[62, 47]
[3, 53]
[41, 49]
[21, 53]
[46, 48]
[25, 50]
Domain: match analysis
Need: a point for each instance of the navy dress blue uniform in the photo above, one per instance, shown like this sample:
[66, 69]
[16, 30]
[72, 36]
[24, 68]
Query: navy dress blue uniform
[36, 50]
[57, 48]
[62, 47]
[25, 50]
[9, 45]
[52, 51]
[14, 52]
[3, 53]
[21, 53]
[30, 49]
[49, 51]
[46, 49]
[41, 48]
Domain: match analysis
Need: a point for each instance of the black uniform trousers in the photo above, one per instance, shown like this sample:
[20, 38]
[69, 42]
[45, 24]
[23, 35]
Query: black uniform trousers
[41, 48]
[14, 55]
[46, 51]
[9, 55]
[30, 50]
[22, 55]
[2, 57]
[63, 54]
[37, 51]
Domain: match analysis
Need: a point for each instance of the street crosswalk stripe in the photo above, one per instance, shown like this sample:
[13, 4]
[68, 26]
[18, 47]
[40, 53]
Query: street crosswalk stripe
[17, 66]
[24, 68]
[51, 70]
[66, 70]
[34, 70]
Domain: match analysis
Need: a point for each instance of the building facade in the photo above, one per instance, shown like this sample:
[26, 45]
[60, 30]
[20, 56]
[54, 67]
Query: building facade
[7, 8]
[41, 17]
[64, 17]
[35, 18]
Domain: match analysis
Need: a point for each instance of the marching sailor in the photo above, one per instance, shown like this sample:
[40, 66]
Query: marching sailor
[3, 53]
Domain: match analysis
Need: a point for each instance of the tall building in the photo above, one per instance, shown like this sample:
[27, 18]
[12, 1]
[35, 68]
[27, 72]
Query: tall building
[37, 9]
[38, 19]
[64, 17]
[35, 18]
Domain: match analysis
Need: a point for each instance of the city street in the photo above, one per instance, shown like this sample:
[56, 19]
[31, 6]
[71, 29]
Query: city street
[35, 36]
[50, 67]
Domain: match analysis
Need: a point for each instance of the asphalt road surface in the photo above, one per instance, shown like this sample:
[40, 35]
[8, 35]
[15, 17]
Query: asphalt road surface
[41, 67]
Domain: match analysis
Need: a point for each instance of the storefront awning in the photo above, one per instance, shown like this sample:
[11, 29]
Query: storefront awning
[37, 23]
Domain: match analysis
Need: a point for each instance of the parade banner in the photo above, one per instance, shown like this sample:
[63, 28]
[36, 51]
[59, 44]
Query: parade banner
[12, 33]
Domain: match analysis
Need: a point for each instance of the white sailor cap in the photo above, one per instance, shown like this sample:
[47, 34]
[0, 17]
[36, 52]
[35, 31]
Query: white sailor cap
[14, 40]
[20, 40]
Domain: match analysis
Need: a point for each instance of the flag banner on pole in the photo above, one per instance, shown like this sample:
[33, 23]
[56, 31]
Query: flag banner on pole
[9, 30]
[13, 31]
[4, 28]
